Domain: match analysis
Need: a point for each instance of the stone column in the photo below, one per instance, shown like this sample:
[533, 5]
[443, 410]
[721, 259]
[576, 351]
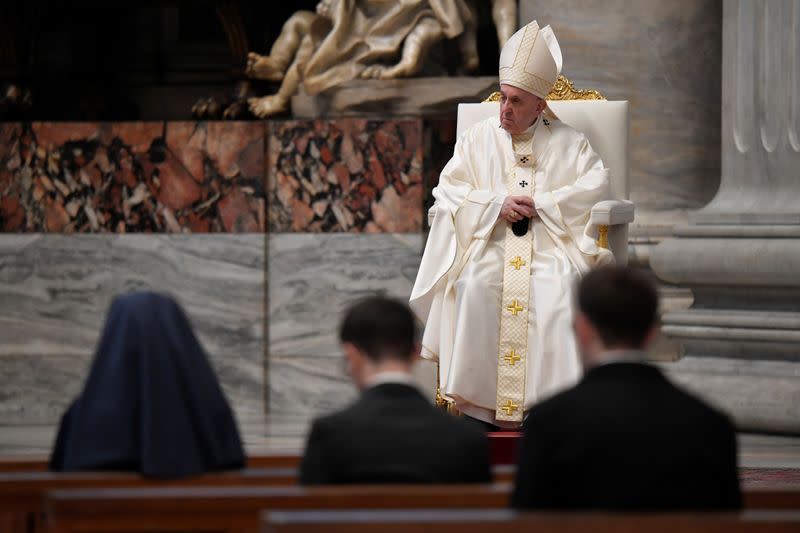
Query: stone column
[741, 253]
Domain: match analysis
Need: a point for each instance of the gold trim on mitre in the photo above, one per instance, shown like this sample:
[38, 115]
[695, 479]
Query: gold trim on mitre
[562, 90]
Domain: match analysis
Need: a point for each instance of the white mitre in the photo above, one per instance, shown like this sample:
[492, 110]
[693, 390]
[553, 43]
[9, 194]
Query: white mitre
[531, 60]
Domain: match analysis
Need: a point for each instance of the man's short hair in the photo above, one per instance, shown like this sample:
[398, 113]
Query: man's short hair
[383, 328]
[621, 303]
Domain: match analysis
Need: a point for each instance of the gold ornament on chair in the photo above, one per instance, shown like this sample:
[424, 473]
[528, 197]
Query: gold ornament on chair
[563, 89]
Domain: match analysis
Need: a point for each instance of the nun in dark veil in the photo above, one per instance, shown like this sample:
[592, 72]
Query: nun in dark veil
[152, 403]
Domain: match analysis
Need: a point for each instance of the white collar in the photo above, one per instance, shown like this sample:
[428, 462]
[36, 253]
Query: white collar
[403, 378]
[621, 356]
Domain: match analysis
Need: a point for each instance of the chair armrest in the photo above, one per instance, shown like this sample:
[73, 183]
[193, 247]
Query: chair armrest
[612, 212]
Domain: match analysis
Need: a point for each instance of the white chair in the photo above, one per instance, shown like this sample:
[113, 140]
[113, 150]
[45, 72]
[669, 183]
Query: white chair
[605, 124]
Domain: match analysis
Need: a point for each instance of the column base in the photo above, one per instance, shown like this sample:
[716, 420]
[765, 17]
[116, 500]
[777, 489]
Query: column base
[741, 337]
[761, 396]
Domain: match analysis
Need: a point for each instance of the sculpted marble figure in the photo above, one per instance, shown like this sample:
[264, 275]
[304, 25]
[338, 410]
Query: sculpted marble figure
[358, 39]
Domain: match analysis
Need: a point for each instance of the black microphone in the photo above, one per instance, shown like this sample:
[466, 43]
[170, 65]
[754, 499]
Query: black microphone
[520, 227]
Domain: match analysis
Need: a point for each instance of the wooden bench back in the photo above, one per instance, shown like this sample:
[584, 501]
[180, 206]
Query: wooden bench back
[40, 463]
[22, 494]
[24, 463]
[237, 508]
[500, 520]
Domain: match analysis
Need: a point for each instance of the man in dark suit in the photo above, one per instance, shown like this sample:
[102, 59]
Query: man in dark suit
[392, 433]
[624, 437]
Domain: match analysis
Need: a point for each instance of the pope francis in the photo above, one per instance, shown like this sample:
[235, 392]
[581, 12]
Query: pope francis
[509, 234]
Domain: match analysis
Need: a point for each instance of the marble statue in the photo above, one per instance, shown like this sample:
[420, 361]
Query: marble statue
[355, 39]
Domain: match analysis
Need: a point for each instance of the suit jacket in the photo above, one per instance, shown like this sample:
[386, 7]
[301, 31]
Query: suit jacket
[392, 434]
[626, 438]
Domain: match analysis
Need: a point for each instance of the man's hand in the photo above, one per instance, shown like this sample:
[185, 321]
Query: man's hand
[516, 208]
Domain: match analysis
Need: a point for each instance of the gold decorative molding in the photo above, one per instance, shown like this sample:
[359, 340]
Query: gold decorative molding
[562, 90]
[602, 236]
[442, 401]
[565, 90]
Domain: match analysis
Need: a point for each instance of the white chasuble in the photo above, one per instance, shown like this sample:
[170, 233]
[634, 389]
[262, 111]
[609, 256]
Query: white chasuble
[463, 282]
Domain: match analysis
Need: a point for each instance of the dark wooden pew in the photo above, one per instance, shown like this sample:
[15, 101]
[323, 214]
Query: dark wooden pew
[23, 463]
[276, 460]
[773, 497]
[25, 480]
[22, 493]
[39, 463]
[236, 509]
[501, 520]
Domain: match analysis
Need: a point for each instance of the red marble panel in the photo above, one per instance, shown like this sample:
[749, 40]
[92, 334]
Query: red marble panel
[345, 175]
[132, 177]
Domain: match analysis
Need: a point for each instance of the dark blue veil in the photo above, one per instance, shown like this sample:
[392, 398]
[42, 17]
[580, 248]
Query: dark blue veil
[152, 402]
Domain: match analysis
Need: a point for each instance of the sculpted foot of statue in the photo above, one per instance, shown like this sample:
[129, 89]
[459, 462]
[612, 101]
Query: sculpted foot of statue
[200, 108]
[263, 68]
[268, 105]
[273, 67]
[235, 111]
[427, 32]
[386, 72]
[209, 107]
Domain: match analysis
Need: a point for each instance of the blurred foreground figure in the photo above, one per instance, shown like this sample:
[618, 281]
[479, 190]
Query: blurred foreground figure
[152, 403]
[624, 437]
[392, 433]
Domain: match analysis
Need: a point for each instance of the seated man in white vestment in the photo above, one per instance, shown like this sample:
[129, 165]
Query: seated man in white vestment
[509, 236]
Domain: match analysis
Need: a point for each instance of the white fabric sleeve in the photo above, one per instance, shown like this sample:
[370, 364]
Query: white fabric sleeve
[565, 211]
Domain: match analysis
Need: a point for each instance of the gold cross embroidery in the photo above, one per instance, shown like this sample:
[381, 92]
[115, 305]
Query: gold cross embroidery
[517, 263]
[512, 357]
[515, 307]
[509, 407]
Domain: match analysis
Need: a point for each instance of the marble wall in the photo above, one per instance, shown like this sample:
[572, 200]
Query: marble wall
[312, 280]
[264, 232]
[350, 175]
[55, 291]
[345, 218]
[666, 59]
[132, 177]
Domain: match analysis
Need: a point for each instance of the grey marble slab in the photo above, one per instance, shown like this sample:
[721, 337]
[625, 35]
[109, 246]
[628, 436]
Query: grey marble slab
[55, 291]
[27, 439]
[758, 395]
[37, 389]
[666, 59]
[312, 280]
[219, 279]
[307, 386]
[313, 277]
